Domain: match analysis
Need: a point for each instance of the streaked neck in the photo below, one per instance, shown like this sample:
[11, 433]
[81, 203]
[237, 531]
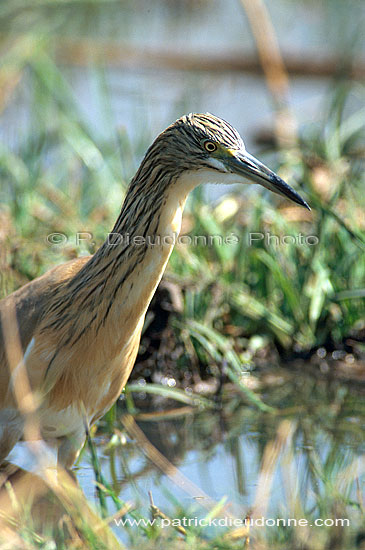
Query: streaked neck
[144, 251]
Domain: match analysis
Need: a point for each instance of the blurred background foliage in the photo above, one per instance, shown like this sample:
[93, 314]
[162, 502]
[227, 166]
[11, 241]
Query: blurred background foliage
[85, 86]
[68, 152]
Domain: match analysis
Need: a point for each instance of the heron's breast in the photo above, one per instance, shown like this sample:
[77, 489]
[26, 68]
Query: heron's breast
[56, 423]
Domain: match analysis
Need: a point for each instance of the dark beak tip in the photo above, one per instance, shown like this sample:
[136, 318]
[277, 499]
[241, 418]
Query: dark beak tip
[290, 193]
[305, 204]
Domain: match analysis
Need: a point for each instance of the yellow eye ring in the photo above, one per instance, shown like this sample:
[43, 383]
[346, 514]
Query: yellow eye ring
[210, 146]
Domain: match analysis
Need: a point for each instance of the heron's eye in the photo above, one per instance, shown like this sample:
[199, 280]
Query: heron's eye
[210, 146]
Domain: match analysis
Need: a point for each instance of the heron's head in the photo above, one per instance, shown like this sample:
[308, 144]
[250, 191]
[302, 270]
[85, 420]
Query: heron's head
[214, 151]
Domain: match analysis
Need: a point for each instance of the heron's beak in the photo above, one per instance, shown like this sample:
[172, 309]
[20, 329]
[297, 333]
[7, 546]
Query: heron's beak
[246, 165]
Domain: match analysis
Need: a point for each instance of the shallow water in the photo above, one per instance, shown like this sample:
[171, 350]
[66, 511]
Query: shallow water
[319, 430]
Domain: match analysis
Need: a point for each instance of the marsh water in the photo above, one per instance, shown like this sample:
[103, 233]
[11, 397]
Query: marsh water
[293, 461]
[142, 100]
[314, 439]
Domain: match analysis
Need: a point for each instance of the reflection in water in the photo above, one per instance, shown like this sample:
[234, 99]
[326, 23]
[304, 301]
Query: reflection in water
[302, 462]
[255, 459]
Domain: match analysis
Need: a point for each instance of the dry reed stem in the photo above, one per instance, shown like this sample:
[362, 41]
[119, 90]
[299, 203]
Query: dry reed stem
[269, 463]
[166, 466]
[26, 401]
[28, 488]
[273, 66]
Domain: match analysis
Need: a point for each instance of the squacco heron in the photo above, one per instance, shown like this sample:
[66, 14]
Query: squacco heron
[80, 323]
